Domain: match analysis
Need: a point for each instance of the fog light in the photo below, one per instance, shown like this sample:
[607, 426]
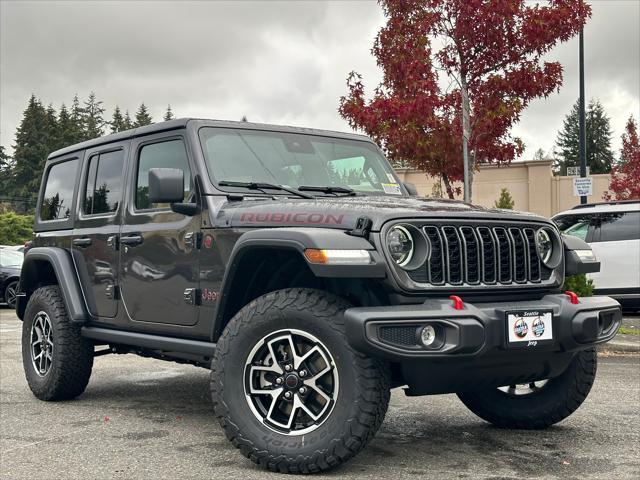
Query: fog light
[428, 335]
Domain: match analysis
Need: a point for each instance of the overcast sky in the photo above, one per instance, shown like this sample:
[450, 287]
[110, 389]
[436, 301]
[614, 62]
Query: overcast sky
[275, 62]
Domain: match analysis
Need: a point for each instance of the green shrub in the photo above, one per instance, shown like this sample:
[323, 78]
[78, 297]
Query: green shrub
[15, 229]
[579, 284]
[505, 200]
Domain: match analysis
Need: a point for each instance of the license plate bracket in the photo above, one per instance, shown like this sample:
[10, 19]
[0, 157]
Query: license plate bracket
[529, 328]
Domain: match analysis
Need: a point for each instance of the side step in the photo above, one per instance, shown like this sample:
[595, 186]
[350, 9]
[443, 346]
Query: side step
[152, 342]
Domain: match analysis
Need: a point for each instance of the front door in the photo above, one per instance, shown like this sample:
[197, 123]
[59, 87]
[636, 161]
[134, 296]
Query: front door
[95, 236]
[159, 259]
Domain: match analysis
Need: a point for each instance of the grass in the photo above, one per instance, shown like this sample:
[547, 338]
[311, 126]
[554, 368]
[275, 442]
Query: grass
[629, 331]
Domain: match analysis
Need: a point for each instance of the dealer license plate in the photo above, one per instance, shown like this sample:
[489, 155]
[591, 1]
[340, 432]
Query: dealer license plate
[529, 328]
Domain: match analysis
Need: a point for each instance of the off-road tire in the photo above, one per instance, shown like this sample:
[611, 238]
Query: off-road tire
[558, 399]
[360, 406]
[72, 356]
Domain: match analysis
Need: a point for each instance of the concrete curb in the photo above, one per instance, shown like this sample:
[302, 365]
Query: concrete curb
[622, 343]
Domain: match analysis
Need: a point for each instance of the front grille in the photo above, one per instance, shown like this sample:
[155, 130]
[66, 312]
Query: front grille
[481, 255]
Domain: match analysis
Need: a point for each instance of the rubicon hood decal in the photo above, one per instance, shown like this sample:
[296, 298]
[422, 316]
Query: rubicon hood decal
[343, 212]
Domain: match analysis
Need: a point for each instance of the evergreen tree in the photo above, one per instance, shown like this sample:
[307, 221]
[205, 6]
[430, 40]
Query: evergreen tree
[5, 173]
[52, 133]
[142, 116]
[169, 114]
[76, 128]
[30, 151]
[93, 121]
[598, 140]
[117, 121]
[128, 123]
[505, 200]
[67, 129]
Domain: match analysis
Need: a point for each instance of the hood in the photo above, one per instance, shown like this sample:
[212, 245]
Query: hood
[343, 212]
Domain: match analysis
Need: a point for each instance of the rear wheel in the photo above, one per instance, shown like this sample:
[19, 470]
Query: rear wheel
[288, 389]
[57, 360]
[539, 404]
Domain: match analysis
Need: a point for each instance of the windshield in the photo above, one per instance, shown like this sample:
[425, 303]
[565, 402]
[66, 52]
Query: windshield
[296, 160]
[10, 258]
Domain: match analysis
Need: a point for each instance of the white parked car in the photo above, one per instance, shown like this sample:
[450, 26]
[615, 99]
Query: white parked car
[613, 231]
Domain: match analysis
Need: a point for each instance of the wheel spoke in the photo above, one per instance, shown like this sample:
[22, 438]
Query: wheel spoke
[275, 368]
[316, 389]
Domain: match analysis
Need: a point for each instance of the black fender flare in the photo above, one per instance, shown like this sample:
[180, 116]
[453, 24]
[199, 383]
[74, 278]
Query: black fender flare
[61, 263]
[298, 240]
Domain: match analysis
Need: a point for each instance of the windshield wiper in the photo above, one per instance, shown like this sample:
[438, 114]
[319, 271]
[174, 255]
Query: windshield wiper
[263, 186]
[327, 189]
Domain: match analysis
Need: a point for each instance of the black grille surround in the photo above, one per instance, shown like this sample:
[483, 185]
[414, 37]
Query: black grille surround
[478, 254]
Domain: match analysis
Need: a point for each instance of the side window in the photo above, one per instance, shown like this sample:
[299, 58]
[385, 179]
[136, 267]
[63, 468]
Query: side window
[577, 225]
[103, 191]
[58, 191]
[620, 226]
[170, 154]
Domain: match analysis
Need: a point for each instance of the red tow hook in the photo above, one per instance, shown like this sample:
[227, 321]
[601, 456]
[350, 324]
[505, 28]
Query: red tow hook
[573, 298]
[457, 302]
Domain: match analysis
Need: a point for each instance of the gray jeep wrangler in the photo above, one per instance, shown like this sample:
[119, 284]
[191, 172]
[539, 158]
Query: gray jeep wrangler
[296, 266]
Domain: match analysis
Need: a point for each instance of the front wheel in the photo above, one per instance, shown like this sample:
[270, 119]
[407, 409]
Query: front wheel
[57, 359]
[540, 404]
[10, 294]
[288, 389]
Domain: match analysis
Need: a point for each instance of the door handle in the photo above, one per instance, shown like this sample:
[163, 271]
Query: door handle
[82, 242]
[131, 240]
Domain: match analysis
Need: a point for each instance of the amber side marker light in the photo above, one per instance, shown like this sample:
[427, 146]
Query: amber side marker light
[337, 257]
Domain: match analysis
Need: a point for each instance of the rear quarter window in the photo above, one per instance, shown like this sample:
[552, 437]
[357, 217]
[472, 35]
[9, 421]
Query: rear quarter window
[58, 192]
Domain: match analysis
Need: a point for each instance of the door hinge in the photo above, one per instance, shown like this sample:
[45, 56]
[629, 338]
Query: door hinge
[192, 296]
[193, 240]
[112, 292]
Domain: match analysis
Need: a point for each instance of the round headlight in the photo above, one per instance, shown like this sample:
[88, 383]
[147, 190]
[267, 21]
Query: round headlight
[400, 245]
[544, 245]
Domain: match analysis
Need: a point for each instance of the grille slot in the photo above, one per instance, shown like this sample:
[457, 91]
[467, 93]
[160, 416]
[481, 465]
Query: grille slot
[481, 255]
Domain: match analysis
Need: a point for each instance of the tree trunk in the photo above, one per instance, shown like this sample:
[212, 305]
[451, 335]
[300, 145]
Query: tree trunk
[466, 134]
[447, 186]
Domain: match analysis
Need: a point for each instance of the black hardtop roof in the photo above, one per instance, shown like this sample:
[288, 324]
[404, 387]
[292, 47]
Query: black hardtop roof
[182, 123]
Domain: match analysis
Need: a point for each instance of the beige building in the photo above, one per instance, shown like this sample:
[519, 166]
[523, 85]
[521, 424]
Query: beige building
[531, 184]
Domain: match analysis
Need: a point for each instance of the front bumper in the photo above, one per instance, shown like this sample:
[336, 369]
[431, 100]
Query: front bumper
[473, 349]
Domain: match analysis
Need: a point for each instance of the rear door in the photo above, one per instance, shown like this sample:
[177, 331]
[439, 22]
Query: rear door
[159, 271]
[97, 226]
[616, 243]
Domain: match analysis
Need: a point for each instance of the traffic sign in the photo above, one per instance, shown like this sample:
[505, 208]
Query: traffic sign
[582, 187]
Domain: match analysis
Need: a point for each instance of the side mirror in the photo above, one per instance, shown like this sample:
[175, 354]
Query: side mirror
[411, 188]
[166, 185]
[578, 257]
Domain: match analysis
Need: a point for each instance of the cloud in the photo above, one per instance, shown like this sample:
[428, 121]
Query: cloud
[277, 62]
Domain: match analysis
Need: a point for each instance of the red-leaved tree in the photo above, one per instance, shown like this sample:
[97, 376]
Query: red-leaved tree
[457, 74]
[625, 175]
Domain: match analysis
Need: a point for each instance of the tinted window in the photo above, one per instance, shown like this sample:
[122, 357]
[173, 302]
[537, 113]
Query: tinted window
[619, 226]
[171, 154]
[58, 192]
[576, 225]
[104, 183]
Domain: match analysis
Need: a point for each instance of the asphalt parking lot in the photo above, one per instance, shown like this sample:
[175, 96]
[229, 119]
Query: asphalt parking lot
[147, 419]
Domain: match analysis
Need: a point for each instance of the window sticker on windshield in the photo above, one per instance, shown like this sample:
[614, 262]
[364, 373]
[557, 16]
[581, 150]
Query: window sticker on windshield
[391, 188]
[390, 178]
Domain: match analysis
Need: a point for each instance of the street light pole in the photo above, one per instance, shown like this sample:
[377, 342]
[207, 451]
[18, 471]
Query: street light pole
[582, 151]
